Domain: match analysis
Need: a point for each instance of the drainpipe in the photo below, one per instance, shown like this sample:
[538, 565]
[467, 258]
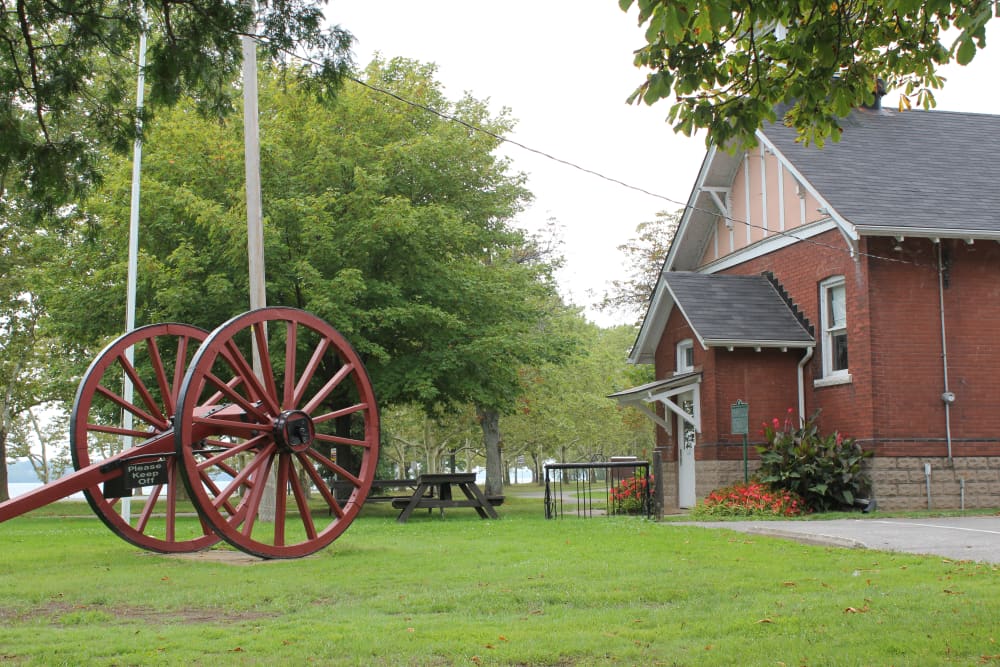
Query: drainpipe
[802, 384]
[948, 397]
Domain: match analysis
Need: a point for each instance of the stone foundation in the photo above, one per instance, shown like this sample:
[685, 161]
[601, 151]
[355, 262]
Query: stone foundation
[899, 483]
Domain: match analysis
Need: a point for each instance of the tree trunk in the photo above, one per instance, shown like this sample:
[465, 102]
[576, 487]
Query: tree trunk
[4, 491]
[489, 420]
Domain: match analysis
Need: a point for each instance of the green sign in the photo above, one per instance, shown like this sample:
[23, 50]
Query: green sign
[740, 414]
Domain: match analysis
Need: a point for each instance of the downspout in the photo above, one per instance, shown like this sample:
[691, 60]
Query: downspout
[802, 384]
[947, 396]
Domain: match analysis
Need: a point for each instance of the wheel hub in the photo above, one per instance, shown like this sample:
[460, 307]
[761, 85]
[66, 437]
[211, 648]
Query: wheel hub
[294, 430]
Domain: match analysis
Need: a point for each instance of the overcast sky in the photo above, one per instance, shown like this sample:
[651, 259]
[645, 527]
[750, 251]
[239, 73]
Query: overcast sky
[564, 67]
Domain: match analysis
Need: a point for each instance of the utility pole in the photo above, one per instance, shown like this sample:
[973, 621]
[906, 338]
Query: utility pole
[255, 224]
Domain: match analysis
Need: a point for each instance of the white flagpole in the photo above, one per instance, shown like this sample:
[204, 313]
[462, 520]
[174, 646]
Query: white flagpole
[133, 244]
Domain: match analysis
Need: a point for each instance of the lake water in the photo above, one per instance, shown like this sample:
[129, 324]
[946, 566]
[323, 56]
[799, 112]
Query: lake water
[522, 475]
[20, 488]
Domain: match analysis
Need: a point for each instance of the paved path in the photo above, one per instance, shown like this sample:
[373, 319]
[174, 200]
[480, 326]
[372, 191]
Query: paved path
[959, 538]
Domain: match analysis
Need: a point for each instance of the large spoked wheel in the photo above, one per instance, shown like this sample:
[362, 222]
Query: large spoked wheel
[298, 428]
[106, 421]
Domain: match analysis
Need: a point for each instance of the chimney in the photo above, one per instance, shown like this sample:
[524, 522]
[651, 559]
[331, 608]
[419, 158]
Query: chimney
[879, 94]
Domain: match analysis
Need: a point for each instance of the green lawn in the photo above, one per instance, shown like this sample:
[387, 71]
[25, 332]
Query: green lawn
[462, 591]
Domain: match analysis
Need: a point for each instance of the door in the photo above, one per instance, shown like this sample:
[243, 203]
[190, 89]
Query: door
[686, 495]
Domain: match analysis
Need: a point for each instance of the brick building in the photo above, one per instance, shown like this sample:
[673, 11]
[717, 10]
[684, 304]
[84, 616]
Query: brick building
[861, 279]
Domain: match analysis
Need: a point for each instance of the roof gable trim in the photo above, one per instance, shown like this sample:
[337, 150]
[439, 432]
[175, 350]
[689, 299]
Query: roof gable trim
[847, 228]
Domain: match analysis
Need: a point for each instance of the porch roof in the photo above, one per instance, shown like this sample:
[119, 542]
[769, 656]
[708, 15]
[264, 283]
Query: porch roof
[735, 311]
[649, 391]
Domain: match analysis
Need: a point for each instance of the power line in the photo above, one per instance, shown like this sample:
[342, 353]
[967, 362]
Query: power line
[498, 137]
[448, 117]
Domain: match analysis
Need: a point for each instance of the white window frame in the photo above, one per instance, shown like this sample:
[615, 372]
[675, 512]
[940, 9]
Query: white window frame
[681, 363]
[828, 331]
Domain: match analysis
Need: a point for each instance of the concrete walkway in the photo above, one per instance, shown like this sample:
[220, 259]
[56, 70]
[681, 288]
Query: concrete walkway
[974, 538]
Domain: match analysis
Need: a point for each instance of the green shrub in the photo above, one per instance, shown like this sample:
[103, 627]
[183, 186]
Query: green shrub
[754, 499]
[825, 470]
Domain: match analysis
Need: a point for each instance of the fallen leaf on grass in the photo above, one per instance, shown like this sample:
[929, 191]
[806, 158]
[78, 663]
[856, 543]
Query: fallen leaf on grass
[238, 649]
[765, 620]
[503, 638]
[951, 592]
[476, 659]
[789, 583]
[488, 646]
[856, 610]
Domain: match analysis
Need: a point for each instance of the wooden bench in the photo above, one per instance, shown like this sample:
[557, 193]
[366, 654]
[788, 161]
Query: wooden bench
[400, 502]
[377, 492]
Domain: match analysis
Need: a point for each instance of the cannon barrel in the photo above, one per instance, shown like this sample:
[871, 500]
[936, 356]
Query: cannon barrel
[85, 478]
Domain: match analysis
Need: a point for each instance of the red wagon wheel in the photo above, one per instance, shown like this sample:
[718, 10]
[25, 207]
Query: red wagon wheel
[306, 419]
[163, 519]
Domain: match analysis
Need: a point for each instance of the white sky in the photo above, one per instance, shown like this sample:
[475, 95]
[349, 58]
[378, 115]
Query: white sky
[564, 67]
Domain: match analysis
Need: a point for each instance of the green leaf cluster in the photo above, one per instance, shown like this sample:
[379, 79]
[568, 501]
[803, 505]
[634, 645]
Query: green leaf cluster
[68, 70]
[827, 471]
[728, 65]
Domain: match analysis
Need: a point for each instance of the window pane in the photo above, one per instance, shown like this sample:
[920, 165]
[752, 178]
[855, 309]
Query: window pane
[837, 313]
[839, 341]
[689, 357]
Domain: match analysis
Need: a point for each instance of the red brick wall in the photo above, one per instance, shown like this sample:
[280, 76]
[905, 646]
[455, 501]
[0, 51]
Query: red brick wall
[800, 268]
[893, 403]
[766, 380]
[907, 351]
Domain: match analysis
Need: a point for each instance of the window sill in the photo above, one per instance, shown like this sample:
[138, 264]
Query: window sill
[833, 381]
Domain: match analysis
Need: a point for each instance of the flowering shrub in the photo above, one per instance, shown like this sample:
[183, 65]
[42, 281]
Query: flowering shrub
[754, 499]
[630, 495]
[825, 470]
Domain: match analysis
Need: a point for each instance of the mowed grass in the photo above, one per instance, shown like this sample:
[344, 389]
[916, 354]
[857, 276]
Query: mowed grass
[462, 591]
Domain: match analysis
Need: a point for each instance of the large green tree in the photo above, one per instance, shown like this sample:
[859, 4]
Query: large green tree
[67, 75]
[391, 223]
[727, 64]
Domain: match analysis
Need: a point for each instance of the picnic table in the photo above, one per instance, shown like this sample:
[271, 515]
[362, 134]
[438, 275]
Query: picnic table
[435, 491]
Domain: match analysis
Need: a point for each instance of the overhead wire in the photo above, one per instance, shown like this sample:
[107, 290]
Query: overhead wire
[686, 206]
[507, 140]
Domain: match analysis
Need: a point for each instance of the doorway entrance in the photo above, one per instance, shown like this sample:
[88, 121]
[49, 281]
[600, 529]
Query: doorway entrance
[687, 496]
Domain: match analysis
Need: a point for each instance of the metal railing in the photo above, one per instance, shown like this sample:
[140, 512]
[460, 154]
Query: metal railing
[598, 488]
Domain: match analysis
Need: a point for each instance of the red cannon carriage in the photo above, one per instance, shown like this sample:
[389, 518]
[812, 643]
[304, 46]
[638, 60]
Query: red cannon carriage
[239, 434]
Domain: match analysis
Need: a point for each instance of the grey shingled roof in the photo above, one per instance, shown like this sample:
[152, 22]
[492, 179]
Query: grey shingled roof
[736, 310]
[911, 170]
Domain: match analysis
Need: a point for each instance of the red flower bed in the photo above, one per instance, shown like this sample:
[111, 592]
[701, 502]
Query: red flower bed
[752, 499]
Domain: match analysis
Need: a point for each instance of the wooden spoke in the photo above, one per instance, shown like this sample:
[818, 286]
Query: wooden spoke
[304, 435]
[154, 520]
